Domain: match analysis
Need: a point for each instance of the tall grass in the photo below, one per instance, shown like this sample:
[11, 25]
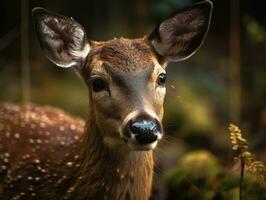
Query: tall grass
[247, 159]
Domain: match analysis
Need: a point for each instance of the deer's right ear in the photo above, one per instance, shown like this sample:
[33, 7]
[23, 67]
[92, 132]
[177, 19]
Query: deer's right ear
[62, 39]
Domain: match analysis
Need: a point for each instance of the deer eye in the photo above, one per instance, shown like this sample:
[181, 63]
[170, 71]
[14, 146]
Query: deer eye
[98, 84]
[161, 79]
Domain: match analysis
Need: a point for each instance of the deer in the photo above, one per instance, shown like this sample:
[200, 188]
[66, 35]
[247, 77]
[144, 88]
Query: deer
[46, 153]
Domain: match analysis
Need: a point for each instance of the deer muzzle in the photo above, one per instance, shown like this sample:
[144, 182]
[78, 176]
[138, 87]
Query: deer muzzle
[142, 132]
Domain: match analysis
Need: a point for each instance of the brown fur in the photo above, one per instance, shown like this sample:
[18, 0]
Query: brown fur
[126, 55]
[45, 155]
[50, 157]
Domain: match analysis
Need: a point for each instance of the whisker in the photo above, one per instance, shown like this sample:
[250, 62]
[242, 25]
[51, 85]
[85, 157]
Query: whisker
[166, 137]
[166, 141]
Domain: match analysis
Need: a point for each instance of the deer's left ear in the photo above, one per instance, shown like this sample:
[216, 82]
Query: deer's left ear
[62, 39]
[181, 35]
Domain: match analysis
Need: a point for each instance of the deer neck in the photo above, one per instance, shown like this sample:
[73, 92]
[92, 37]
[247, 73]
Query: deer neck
[106, 173]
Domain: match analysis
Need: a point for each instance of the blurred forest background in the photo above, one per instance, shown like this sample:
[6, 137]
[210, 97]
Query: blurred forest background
[223, 83]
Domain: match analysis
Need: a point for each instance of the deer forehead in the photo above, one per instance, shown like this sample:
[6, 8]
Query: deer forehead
[122, 56]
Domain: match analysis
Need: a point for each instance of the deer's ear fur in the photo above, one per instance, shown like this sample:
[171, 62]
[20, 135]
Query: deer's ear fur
[62, 39]
[181, 35]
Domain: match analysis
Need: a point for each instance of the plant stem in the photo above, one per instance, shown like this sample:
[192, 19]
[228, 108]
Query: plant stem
[241, 178]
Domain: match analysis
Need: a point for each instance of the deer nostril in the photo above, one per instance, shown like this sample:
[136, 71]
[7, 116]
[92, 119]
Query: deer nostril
[145, 131]
[143, 127]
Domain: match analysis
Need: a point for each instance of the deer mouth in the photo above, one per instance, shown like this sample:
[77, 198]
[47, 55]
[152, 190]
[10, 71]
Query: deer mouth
[136, 145]
[142, 147]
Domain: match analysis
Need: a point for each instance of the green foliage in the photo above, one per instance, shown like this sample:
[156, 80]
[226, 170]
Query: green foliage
[199, 176]
[229, 188]
[255, 30]
[194, 177]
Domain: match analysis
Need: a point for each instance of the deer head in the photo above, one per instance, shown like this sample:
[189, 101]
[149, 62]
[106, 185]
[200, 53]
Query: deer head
[125, 77]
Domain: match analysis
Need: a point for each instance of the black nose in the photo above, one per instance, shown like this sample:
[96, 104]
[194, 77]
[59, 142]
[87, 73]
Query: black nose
[145, 131]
